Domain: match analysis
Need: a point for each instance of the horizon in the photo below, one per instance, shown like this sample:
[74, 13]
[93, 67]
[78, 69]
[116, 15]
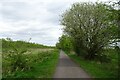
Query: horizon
[26, 41]
[38, 19]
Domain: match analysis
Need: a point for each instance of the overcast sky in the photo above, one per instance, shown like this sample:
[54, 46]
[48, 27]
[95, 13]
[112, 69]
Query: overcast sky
[36, 19]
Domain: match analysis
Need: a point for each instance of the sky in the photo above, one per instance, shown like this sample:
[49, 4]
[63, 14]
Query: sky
[36, 19]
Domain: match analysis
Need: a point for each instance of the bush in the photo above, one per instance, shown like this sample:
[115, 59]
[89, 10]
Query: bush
[16, 60]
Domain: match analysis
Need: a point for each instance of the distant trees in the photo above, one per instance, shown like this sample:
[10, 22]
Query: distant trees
[114, 8]
[89, 27]
[65, 43]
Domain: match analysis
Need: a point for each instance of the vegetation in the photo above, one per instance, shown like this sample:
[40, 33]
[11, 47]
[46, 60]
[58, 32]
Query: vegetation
[114, 9]
[89, 28]
[8, 44]
[0, 59]
[90, 31]
[97, 69]
[65, 43]
[27, 60]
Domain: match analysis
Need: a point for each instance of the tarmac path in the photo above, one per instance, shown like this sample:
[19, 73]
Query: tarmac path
[66, 68]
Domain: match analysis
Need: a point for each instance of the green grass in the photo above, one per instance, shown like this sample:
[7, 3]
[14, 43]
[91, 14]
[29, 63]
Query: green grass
[10, 44]
[22, 59]
[97, 69]
[43, 65]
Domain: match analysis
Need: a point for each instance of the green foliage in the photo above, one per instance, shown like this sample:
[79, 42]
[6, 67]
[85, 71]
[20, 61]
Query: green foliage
[114, 9]
[97, 69]
[19, 58]
[15, 59]
[9, 44]
[89, 26]
[35, 64]
[65, 43]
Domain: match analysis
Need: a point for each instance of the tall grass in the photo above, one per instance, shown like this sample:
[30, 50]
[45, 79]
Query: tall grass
[17, 63]
[25, 65]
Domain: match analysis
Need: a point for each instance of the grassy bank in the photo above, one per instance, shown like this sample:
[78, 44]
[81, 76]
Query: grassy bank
[21, 59]
[41, 65]
[97, 69]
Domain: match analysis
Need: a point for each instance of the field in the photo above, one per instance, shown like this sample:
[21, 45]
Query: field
[97, 69]
[23, 61]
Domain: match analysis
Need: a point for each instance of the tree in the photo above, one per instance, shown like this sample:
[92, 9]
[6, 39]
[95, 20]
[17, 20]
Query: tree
[89, 26]
[64, 43]
[114, 8]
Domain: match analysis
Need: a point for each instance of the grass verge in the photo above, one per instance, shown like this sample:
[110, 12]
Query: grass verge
[41, 68]
[97, 69]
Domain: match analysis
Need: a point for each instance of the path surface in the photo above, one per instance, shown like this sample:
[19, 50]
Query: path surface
[66, 68]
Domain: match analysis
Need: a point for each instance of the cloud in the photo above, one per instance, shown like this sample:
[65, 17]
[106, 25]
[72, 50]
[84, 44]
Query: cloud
[38, 19]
